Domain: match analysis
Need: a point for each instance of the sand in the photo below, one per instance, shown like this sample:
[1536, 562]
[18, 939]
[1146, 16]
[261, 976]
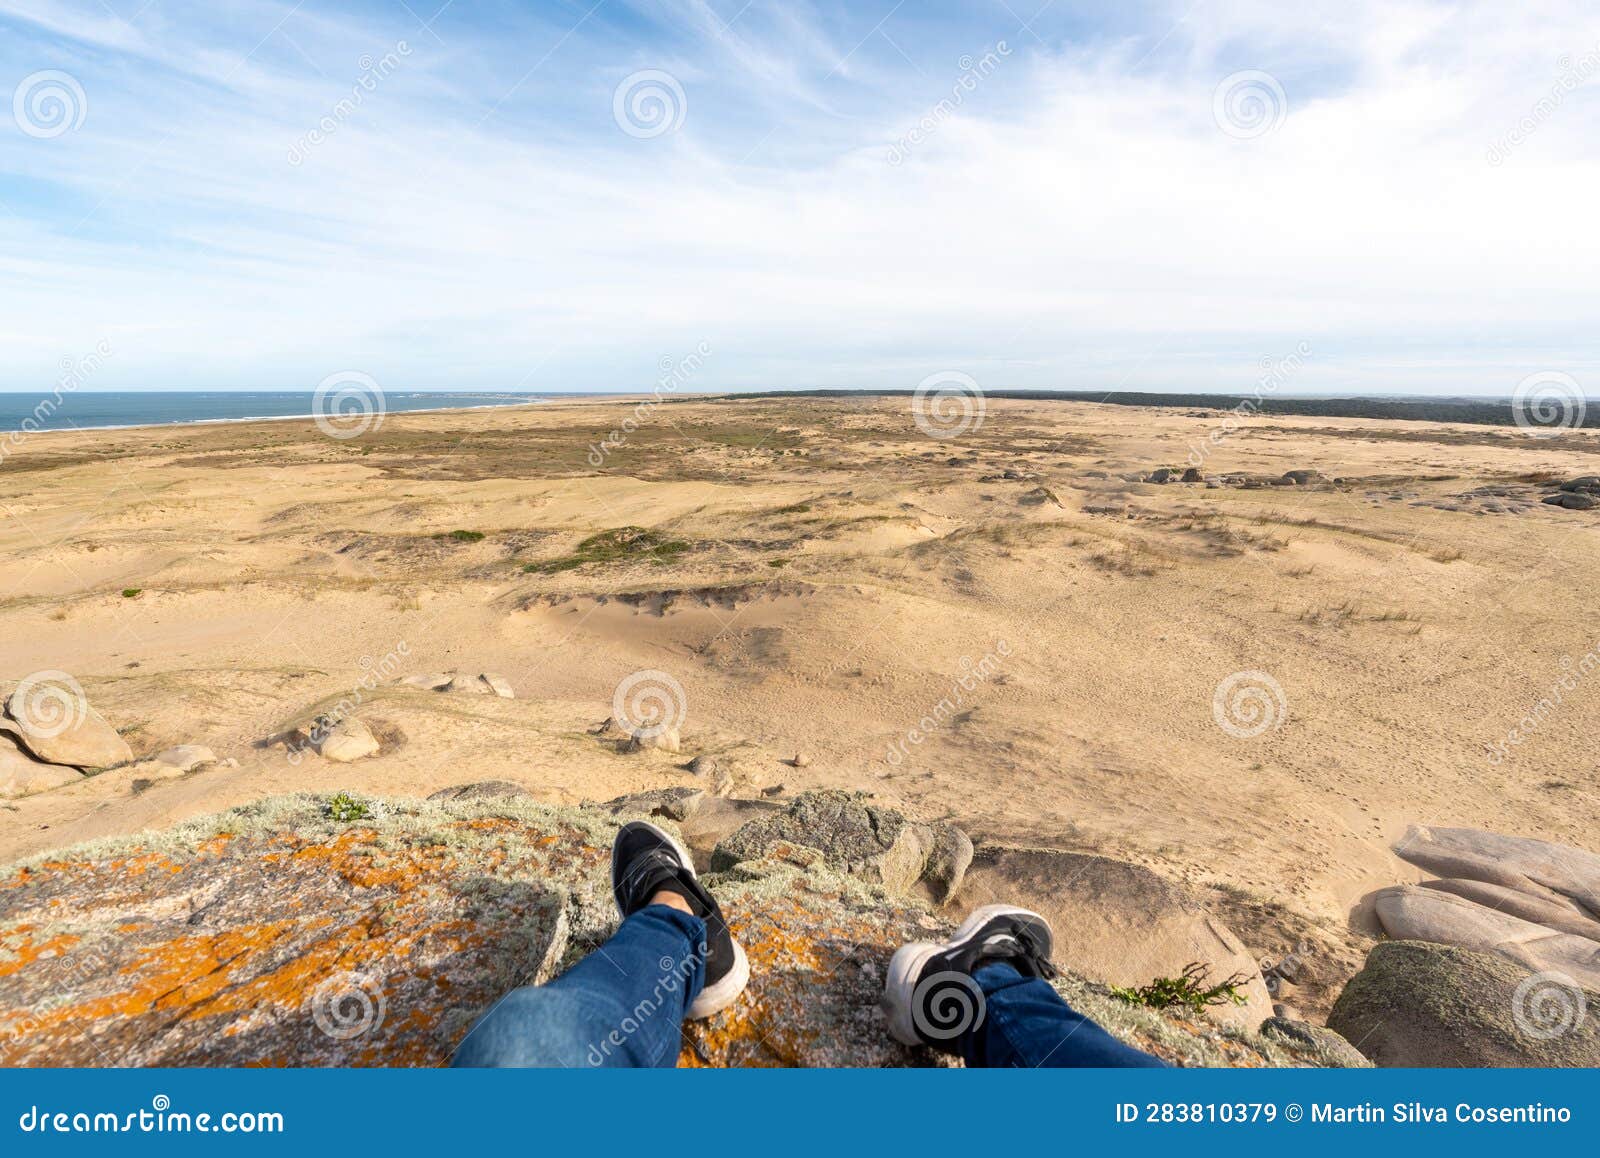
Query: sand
[1034, 658]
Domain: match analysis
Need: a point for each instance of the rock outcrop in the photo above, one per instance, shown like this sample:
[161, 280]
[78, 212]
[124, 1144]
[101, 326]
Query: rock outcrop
[59, 727]
[877, 845]
[22, 775]
[1421, 1004]
[276, 935]
[1127, 925]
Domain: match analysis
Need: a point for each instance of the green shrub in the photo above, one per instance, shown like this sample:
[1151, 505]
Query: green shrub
[1188, 991]
[346, 809]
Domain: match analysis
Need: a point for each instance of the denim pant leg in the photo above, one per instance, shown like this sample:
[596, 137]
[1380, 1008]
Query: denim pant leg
[1026, 1023]
[622, 1005]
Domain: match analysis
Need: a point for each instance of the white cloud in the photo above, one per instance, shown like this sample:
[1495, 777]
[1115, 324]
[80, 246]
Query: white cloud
[1079, 222]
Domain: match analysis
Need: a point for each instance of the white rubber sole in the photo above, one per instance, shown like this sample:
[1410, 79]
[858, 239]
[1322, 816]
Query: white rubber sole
[713, 998]
[906, 966]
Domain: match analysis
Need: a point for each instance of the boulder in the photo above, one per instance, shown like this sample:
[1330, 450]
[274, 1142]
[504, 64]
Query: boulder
[1408, 913]
[187, 756]
[22, 775]
[1118, 923]
[437, 681]
[1302, 478]
[348, 739]
[1161, 475]
[1420, 1004]
[273, 935]
[1304, 1035]
[866, 841]
[472, 685]
[703, 765]
[1584, 484]
[1573, 501]
[64, 730]
[662, 737]
[1563, 918]
[499, 685]
[1556, 872]
[482, 790]
[1192, 475]
[672, 803]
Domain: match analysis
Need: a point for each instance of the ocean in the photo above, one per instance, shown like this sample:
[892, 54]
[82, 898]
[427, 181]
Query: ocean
[86, 409]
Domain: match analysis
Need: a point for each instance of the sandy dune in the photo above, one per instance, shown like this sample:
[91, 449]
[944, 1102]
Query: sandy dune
[819, 576]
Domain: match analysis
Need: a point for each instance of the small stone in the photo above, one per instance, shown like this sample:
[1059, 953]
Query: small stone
[703, 765]
[801, 760]
[772, 790]
[1192, 475]
[722, 782]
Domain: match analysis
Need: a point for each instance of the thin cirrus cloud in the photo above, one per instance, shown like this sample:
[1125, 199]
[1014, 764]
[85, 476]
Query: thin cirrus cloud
[832, 203]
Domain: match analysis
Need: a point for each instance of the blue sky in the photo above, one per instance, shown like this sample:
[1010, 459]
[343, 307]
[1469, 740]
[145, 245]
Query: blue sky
[1411, 198]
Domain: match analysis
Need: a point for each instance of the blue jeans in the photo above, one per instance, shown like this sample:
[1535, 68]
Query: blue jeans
[623, 1005]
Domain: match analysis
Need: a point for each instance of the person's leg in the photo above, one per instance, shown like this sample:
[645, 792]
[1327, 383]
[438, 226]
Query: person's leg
[1026, 1023]
[622, 1005]
[985, 995]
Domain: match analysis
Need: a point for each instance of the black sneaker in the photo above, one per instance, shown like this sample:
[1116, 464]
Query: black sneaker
[645, 860]
[930, 994]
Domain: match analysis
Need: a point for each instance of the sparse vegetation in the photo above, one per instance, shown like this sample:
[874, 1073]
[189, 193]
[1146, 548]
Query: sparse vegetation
[462, 536]
[620, 545]
[1188, 990]
[132, 592]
